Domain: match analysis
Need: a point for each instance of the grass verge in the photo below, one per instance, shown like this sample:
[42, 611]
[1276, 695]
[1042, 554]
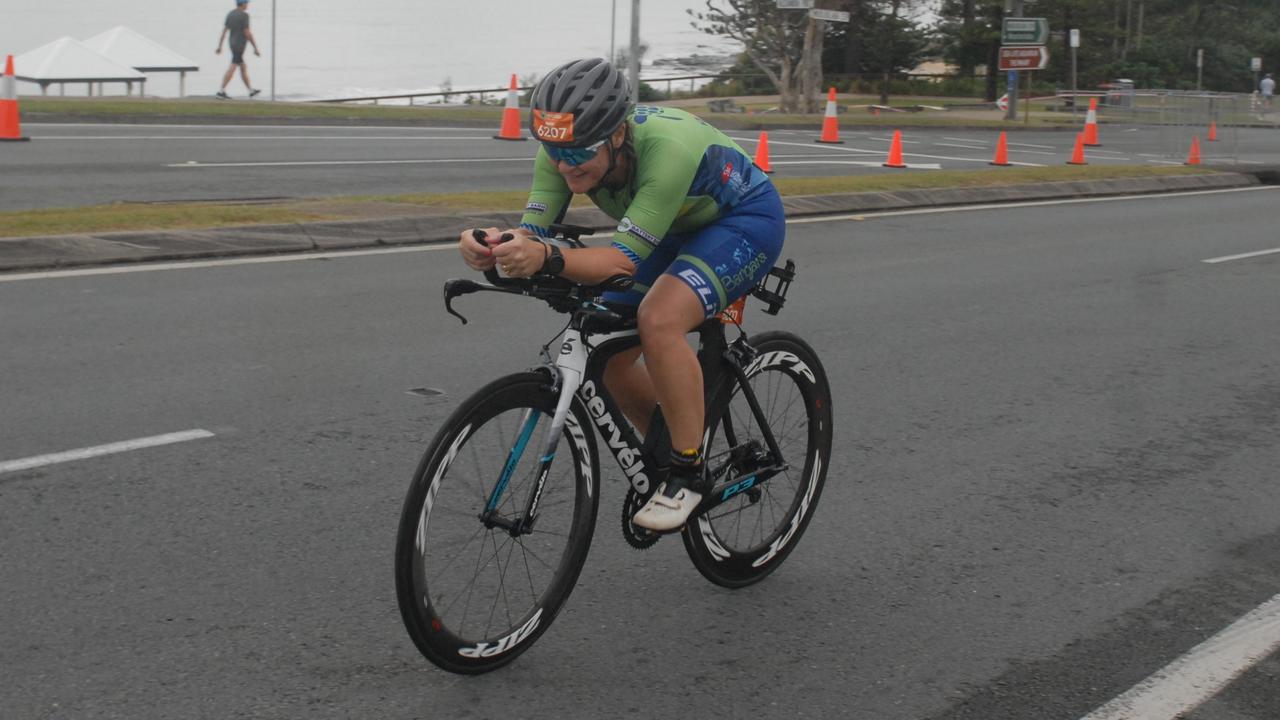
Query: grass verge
[204, 215]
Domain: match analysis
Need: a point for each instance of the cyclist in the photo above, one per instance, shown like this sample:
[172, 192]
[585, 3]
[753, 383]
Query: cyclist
[698, 226]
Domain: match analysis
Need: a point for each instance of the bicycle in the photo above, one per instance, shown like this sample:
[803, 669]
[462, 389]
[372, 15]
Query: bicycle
[494, 532]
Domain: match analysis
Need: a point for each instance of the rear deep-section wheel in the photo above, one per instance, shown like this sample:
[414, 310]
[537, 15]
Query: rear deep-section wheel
[476, 580]
[746, 537]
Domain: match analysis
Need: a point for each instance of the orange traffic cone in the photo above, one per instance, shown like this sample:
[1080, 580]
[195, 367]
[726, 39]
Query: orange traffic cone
[830, 128]
[1213, 131]
[1077, 157]
[9, 129]
[1193, 157]
[762, 152]
[511, 116]
[895, 152]
[1002, 152]
[1091, 124]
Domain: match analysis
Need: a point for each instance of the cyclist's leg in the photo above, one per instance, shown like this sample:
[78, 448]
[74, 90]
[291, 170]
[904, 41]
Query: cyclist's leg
[716, 266]
[629, 384]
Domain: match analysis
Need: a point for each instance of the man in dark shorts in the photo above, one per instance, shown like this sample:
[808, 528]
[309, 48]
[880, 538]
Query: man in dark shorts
[237, 25]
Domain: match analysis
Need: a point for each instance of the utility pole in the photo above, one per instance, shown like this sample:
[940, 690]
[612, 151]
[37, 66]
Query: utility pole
[1014, 7]
[634, 60]
[273, 49]
[613, 27]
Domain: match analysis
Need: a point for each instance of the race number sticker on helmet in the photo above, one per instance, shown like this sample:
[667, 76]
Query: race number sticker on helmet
[553, 126]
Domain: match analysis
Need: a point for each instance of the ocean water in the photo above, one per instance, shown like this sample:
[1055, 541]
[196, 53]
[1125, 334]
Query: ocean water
[341, 48]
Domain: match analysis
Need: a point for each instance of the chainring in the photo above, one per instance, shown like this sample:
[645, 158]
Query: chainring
[636, 537]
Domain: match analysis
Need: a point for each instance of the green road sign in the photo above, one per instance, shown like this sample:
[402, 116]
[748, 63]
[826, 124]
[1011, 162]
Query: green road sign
[1025, 31]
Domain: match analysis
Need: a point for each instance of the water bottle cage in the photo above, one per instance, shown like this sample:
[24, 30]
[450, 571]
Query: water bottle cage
[777, 297]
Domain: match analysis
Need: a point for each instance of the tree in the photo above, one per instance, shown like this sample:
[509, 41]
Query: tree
[772, 38]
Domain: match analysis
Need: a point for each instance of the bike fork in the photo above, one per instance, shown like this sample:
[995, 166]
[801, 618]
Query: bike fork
[569, 366]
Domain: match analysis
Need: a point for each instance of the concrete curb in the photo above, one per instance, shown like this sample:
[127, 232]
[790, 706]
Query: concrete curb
[68, 251]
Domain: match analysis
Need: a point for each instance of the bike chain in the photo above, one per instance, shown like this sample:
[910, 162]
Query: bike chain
[636, 537]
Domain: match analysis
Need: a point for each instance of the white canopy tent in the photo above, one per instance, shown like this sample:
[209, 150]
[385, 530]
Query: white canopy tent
[66, 60]
[128, 48]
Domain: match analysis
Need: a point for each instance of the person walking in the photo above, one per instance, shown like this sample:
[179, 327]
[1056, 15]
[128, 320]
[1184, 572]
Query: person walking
[1268, 89]
[237, 25]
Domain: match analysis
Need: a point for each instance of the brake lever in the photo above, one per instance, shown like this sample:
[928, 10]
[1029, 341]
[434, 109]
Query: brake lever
[454, 288]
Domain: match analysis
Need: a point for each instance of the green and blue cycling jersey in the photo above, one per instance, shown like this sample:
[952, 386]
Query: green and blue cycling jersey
[697, 208]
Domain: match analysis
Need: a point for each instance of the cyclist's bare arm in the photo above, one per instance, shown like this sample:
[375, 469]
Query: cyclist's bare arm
[523, 256]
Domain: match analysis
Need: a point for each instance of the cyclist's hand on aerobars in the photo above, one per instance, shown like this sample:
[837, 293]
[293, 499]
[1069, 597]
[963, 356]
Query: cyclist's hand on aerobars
[521, 256]
[477, 255]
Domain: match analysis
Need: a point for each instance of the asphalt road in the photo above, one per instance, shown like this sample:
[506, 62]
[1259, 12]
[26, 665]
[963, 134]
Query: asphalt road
[71, 165]
[1057, 430]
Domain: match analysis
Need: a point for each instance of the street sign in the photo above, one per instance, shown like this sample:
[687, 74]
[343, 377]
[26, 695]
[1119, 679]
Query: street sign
[1025, 31]
[1024, 58]
[794, 4]
[832, 15]
[1256, 64]
[1075, 38]
[1003, 102]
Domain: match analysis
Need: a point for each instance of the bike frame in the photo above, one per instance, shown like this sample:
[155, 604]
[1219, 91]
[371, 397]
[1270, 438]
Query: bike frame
[579, 375]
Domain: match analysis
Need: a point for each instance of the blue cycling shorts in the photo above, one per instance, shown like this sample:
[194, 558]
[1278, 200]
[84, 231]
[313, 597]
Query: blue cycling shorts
[722, 261]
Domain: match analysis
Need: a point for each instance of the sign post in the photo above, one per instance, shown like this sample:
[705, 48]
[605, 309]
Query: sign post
[1075, 90]
[1256, 65]
[1018, 32]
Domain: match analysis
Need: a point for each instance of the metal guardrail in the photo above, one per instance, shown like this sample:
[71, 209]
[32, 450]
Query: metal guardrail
[501, 92]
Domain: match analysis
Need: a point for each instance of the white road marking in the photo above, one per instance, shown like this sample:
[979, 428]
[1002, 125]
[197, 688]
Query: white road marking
[860, 163]
[194, 264]
[108, 449]
[904, 142]
[295, 257]
[482, 132]
[268, 138]
[1016, 205]
[881, 153]
[194, 164]
[1242, 256]
[966, 147]
[1042, 147]
[1186, 683]
[964, 140]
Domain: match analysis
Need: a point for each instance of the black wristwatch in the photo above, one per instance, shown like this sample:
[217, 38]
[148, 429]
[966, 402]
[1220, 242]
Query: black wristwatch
[554, 263]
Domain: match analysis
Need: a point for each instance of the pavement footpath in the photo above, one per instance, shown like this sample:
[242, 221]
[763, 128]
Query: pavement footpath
[397, 228]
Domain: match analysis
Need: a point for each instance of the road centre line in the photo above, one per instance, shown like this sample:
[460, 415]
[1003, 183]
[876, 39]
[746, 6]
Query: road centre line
[99, 450]
[197, 264]
[298, 163]
[904, 142]
[334, 254]
[1042, 147]
[966, 140]
[966, 147]
[269, 138]
[1241, 256]
[1189, 681]
[878, 153]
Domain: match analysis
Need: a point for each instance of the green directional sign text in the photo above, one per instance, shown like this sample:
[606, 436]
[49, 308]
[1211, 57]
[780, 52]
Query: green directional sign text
[1025, 31]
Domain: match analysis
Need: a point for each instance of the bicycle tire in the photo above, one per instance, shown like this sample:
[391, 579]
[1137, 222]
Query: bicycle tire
[742, 540]
[441, 529]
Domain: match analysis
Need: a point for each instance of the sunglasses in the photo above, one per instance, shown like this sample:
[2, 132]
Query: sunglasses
[573, 157]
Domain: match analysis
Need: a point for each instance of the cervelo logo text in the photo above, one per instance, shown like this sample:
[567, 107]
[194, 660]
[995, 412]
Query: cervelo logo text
[434, 487]
[796, 520]
[701, 287]
[628, 458]
[484, 649]
[781, 357]
[626, 226]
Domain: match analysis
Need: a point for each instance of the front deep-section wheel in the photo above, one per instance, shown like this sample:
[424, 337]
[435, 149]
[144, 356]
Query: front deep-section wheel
[478, 578]
[746, 537]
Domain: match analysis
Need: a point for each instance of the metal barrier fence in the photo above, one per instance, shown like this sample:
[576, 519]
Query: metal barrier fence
[1179, 116]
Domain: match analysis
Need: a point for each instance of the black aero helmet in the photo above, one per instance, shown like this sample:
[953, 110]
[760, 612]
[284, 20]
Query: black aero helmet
[579, 103]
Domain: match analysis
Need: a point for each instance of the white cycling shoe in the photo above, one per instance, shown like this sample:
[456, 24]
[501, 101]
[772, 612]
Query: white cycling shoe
[664, 514]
